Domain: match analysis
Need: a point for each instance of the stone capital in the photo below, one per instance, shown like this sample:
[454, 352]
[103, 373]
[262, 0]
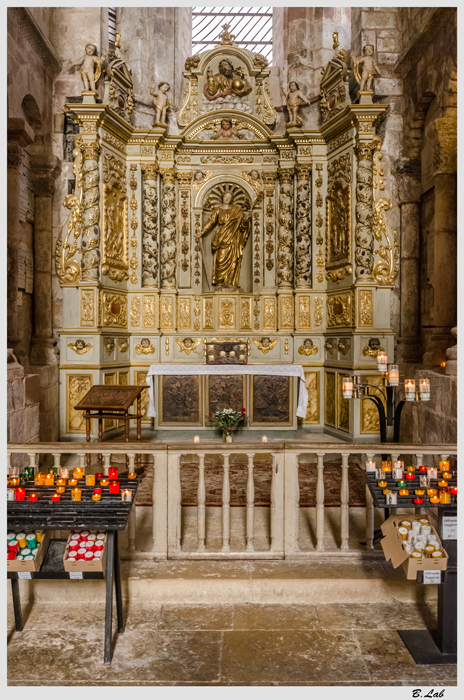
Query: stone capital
[150, 171]
[18, 130]
[442, 134]
[286, 175]
[45, 168]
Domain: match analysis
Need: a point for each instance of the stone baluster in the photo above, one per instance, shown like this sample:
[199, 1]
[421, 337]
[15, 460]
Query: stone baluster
[132, 521]
[250, 495]
[292, 504]
[320, 502]
[106, 462]
[344, 498]
[369, 511]
[56, 461]
[277, 513]
[82, 461]
[160, 505]
[179, 506]
[201, 514]
[272, 518]
[226, 506]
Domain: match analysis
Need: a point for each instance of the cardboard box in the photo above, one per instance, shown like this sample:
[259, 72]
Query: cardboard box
[392, 546]
[97, 565]
[35, 564]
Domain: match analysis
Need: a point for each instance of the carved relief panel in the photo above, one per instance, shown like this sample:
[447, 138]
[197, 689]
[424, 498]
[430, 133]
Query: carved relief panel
[338, 235]
[115, 248]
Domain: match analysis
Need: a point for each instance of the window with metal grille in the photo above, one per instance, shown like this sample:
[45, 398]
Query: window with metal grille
[252, 27]
[112, 24]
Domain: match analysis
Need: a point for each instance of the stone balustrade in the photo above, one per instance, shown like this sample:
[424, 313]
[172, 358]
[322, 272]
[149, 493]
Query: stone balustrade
[168, 526]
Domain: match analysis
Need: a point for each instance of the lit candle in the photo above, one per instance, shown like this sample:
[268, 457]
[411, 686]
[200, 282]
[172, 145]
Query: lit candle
[90, 480]
[423, 469]
[97, 490]
[410, 389]
[442, 484]
[196, 438]
[64, 472]
[78, 473]
[419, 492]
[104, 482]
[393, 375]
[55, 497]
[264, 438]
[20, 494]
[14, 481]
[126, 495]
[401, 483]
[382, 484]
[431, 492]
[96, 497]
[49, 480]
[444, 465]
[432, 473]
[370, 465]
[454, 490]
[434, 499]
[10, 495]
[386, 466]
[113, 473]
[114, 486]
[445, 497]
[417, 500]
[132, 475]
[397, 470]
[404, 492]
[382, 359]
[347, 387]
[410, 475]
[99, 475]
[76, 494]
[61, 482]
[447, 475]
[411, 468]
[424, 389]
[33, 497]
[72, 482]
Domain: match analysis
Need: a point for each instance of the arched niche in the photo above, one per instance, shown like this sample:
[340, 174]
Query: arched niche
[31, 113]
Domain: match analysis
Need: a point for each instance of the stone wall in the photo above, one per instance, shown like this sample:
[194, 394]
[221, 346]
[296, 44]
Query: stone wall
[22, 406]
[434, 421]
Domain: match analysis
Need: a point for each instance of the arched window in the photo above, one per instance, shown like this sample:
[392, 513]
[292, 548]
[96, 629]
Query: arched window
[252, 27]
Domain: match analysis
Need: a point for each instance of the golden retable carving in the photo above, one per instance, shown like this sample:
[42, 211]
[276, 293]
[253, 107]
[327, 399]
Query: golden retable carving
[115, 220]
[80, 346]
[123, 344]
[340, 310]
[114, 308]
[373, 348]
[384, 271]
[109, 345]
[144, 347]
[265, 344]
[338, 237]
[308, 348]
[188, 345]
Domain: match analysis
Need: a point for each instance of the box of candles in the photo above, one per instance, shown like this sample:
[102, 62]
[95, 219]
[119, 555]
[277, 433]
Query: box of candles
[27, 550]
[85, 551]
[411, 540]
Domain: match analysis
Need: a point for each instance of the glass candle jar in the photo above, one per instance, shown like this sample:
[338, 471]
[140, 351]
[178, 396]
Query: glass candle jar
[55, 497]
[13, 472]
[49, 480]
[72, 482]
[386, 466]
[382, 484]
[378, 473]
[61, 482]
[76, 494]
[126, 495]
[10, 495]
[347, 387]
[382, 360]
[104, 482]
[391, 499]
[60, 489]
[444, 465]
[96, 497]
[417, 500]
[424, 389]
[78, 473]
[434, 499]
[90, 480]
[432, 473]
[431, 492]
[393, 375]
[64, 472]
[114, 486]
[20, 494]
[99, 475]
[14, 481]
[113, 473]
[445, 497]
[404, 492]
[454, 490]
[132, 475]
[397, 470]
[442, 484]
[33, 497]
[409, 389]
[29, 471]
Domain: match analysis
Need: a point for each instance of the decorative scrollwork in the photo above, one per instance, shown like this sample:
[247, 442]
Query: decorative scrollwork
[385, 271]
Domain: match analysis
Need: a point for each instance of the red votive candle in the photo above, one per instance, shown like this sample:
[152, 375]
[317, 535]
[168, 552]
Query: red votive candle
[74, 545]
[89, 545]
[114, 486]
[56, 497]
[98, 490]
[88, 556]
[81, 552]
[99, 475]
[418, 500]
[409, 475]
[99, 545]
[423, 469]
[33, 497]
[20, 494]
[113, 473]
[454, 490]
[11, 556]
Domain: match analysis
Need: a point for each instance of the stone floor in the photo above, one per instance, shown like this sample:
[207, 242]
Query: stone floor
[322, 644]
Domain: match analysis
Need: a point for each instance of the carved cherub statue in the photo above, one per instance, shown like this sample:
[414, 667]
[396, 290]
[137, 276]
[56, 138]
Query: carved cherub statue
[369, 69]
[227, 131]
[162, 103]
[295, 98]
[90, 65]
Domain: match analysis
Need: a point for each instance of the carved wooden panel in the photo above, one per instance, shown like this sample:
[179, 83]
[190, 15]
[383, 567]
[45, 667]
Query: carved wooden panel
[140, 377]
[180, 400]
[77, 386]
[271, 400]
[330, 398]
[225, 391]
[312, 381]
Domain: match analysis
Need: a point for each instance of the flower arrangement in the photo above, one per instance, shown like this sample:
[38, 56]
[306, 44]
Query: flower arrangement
[227, 419]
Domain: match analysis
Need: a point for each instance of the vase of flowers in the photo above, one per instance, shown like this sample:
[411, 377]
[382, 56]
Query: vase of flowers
[227, 420]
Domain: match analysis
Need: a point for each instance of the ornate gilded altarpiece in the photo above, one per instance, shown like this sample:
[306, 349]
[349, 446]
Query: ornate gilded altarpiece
[226, 225]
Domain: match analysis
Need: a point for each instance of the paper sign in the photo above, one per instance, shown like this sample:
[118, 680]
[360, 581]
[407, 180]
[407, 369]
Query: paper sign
[76, 574]
[24, 574]
[450, 528]
[432, 577]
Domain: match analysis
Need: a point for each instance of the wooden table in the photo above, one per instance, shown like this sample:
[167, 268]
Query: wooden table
[111, 402]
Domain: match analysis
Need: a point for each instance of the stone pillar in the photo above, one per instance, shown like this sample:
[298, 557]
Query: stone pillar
[20, 135]
[452, 356]
[285, 234]
[442, 134]
[409, 191]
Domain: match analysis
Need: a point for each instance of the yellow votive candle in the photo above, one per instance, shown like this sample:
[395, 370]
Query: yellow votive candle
[49, 480]
[411, 468]
[132, 475]
[447, 475]
[78, 473]
[104, 482]
[90, 480]
[404, 492]
[419, 492]
[444, 497]
[444, 465]
[387, 491]
[61, 482]
[386, 466]
[76, 494]
[431, 492]
[435, 499]
[96, 497]
[443, 484]
[382, 484]
[72, 482]
[39, 479]
[60, 489]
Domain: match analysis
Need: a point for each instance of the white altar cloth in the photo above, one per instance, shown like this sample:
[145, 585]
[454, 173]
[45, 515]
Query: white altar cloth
[269, 370]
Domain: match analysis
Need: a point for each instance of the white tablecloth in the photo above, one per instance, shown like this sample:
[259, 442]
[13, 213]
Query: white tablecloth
[270, 370]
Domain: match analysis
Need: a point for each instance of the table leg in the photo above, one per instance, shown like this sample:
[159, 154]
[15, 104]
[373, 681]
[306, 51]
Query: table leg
[139, 428]
[17, 605]
[109, 597]
[117, 583]
[126, 429]
[100, 438]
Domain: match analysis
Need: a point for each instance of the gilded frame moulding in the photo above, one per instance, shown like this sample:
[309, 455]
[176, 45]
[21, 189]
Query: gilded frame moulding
[304, 312]
[149, 311]
[286, 311]
[208, 313]
[167, 311]
[245, 313]
[313, 385]
[180, 424]
[184, 313]
[365, 307]
[135, 312]
[227, 313]
[318, 311]
[77, 385]
[113, 309]
[340, 310]
[269, 313]
[87, 307]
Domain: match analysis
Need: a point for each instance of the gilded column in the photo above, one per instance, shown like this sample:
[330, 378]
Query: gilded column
[184, 180]
[303, 228]
[150, 226]
[364, 236]
[269, 182]
[91, 254]
[168, 257]
[285, 234]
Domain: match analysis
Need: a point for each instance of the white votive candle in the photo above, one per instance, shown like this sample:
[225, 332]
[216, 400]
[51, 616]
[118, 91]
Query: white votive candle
[424, 389]
[370, 465]
[347, 387]
[397, 472]
[382, 359]
[196, 438]
[410, 389]
[393, 375]
[264, 438]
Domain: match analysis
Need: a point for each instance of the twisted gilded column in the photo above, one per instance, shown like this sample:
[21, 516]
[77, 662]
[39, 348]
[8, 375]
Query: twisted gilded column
[91, 238]
[364, 235]
[303, 227]
[168, 229]
[285, 233]
[150, 226]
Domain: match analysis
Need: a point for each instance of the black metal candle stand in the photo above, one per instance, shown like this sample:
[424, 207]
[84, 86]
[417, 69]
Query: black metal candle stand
[380, 499]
